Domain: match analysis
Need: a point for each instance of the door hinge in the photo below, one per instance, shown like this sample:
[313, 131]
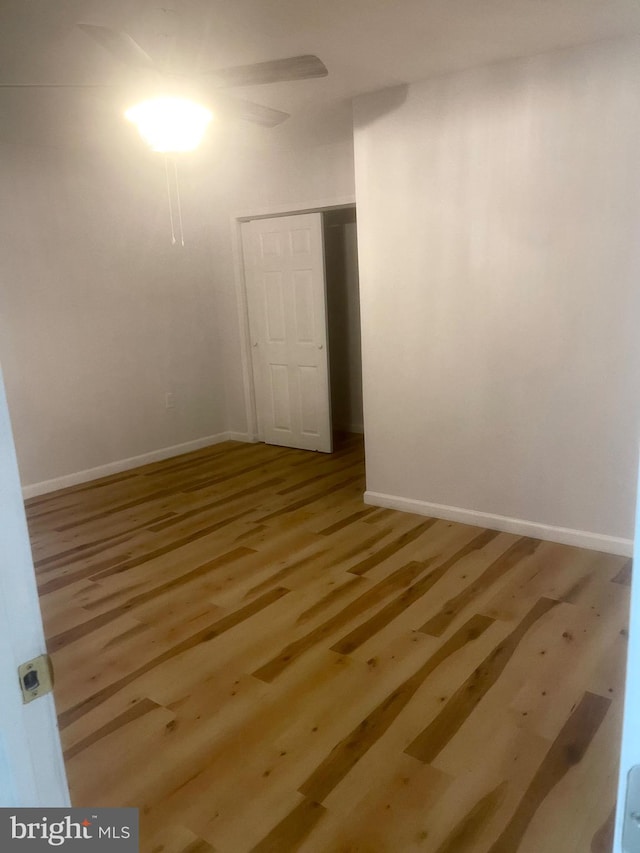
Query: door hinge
[631, 823]
[36, 678]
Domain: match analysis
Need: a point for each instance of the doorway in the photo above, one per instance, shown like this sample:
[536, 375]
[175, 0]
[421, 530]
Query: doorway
[302, 326]
[343, 315]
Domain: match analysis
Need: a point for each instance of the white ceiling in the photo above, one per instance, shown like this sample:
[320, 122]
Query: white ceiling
[366, 44]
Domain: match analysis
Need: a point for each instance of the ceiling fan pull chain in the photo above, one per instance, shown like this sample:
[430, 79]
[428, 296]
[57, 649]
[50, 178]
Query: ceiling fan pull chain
[166, 171]
[175, 171]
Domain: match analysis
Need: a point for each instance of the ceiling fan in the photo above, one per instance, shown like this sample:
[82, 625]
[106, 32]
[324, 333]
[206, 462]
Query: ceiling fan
[171, 124]
[125, 49]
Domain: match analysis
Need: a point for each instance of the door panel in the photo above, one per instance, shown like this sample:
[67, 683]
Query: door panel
[31, 765]
[303, 304]
[274, 307]
[284, 266]
[280, 397]
[308, 400]
[627, 828]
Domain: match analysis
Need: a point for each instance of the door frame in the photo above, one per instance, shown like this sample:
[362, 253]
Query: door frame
[240, 286]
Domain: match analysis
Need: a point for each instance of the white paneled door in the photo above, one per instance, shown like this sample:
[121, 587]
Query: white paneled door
[627, 826]
[286, 296]
[31, 766]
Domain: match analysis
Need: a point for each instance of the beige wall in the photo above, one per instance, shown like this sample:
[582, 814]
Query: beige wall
[498, 221]
[99, 315]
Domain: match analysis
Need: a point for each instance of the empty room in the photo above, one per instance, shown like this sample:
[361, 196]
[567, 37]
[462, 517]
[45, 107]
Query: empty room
[319, 420]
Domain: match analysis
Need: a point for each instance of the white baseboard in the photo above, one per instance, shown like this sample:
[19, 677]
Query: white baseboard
[35, 489]
[563, 535]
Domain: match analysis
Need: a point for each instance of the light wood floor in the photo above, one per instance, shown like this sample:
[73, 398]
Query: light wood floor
[260, 662]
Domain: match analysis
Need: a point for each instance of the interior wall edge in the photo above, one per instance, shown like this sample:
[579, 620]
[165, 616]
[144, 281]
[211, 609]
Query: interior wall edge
[78, 477]
[562, 535]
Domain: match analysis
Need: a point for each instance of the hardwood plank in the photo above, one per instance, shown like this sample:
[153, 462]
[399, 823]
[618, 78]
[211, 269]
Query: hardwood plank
[602, 841]
[426, 746]
[133, 601]
[392, 548]
[345, 522]
[329, 599]
[349, 751]
[414, 593]
[238, 652]
[624, 575]
[139, 709]
[291, 831]
[567, 750]
[451, 609]
[118, 565]
[174, 839]
[291, 653]
[305, 502]
[204, 636]
[465, 835]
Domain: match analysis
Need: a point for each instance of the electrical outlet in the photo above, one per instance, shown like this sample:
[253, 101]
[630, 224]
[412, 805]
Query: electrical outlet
[169, 400]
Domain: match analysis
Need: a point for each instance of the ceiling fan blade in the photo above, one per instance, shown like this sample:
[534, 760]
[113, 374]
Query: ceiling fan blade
[275, 71]
[119, 44]
[248, 111]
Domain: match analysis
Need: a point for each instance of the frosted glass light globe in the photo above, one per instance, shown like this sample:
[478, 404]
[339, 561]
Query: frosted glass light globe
[170, 125]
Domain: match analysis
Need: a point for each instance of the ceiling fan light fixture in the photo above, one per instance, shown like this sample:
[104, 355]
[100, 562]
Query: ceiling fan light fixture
[170, 125]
